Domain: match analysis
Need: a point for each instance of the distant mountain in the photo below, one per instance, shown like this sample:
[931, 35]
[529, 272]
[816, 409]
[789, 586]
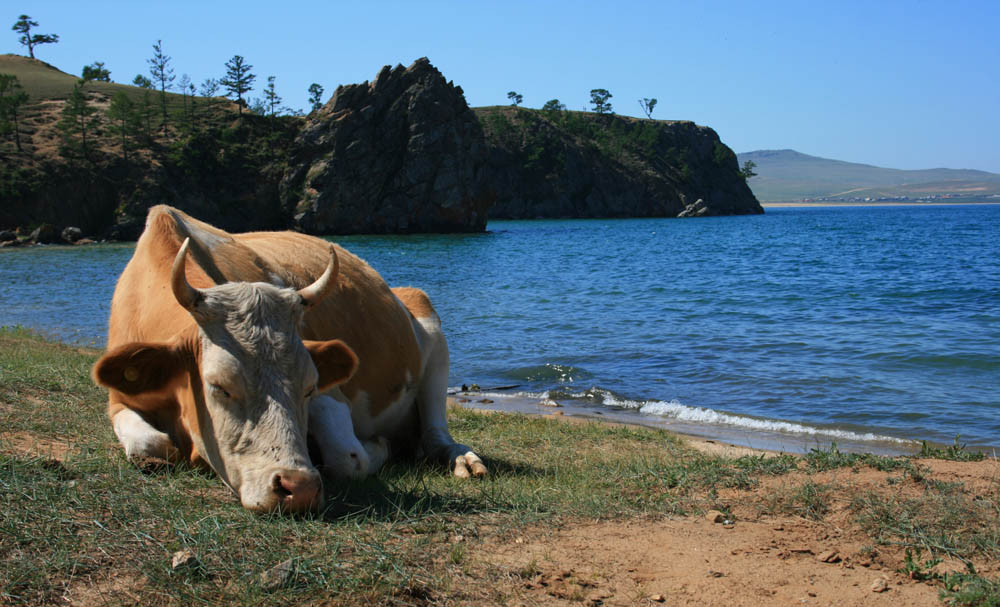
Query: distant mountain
[787, 175]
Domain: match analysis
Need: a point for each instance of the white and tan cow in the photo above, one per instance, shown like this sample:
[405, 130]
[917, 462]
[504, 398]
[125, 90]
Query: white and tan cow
[235, 350]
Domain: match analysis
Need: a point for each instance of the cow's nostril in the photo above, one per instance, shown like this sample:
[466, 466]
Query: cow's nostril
[354, 456]
[280, 487]
[296, 490]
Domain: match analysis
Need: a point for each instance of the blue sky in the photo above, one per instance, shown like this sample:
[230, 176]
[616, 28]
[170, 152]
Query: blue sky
[897, 84]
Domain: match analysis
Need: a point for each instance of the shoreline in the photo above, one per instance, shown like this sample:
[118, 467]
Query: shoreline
[716, 439]
[874, 204]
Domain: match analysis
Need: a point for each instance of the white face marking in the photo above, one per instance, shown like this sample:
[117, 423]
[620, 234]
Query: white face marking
[256, 374]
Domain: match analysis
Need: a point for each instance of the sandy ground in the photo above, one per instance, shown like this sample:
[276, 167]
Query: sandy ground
[752, 560]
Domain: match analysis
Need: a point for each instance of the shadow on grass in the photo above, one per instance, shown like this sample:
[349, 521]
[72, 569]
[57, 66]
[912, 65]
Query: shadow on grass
[412, 489]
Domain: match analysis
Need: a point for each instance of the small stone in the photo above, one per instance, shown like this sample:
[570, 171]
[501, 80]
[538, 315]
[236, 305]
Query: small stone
[657, 598]
[714, 516]
[880, 585]
[548, 402]
[278, 576]
[184, 559]
[71, 234]
[828, 556]
[486, 401]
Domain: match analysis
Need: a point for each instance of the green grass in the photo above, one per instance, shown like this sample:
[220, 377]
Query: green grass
[77, 517]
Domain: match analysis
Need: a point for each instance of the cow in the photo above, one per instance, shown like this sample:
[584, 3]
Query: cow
[242, 351]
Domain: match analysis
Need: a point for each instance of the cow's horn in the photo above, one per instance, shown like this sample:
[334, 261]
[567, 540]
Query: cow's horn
[314, 293]
[185, 294]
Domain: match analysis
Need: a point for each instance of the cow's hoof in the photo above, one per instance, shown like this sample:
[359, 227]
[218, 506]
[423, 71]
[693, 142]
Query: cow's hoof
[469, 465]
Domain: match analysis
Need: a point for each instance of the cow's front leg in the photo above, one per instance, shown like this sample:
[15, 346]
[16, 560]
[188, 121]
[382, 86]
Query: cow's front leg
[435, 440]
[140, 438]
[343, 455]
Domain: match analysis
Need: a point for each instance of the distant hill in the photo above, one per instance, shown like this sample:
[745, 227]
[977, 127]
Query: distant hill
[787, 175]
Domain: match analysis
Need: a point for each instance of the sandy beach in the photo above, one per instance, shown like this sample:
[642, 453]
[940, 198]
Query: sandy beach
[867, 204]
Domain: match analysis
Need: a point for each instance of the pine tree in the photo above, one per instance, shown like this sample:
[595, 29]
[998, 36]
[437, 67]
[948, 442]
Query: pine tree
[124, 119]
[238, 80]
[163, 74]
[271, 97]
[315, 95]
[12, 97]
[77, 121]
[96, 71]
[23, 26]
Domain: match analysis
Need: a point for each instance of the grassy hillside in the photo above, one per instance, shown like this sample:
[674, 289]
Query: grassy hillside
[786, 175]
[44, 82]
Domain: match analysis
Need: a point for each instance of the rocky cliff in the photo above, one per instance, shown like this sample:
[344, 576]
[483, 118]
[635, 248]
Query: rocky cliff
[574, 164]
[401, 154]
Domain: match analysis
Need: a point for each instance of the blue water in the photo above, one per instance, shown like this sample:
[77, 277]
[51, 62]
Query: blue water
[839, 323]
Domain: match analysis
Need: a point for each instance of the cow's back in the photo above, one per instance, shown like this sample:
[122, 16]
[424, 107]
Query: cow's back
[361, 310]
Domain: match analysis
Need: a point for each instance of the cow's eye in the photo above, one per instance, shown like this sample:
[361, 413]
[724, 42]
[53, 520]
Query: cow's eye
[220, 390]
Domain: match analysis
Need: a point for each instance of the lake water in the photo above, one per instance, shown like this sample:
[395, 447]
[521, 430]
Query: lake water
[870, 326]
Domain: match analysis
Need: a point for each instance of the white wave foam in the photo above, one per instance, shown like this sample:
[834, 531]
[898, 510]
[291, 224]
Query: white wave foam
[681, 412]
[700, 415]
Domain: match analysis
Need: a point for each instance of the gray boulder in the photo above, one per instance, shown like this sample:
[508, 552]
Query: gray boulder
[72, 234]
[45, 234]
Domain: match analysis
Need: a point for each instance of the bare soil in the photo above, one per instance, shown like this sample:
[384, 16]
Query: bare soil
[752, 560]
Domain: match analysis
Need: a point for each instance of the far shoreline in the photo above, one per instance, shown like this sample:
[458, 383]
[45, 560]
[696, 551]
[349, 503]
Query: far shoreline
[874, 204]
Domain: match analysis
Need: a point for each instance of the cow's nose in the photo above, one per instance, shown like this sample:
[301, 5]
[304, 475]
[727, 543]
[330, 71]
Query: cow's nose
[297, 490]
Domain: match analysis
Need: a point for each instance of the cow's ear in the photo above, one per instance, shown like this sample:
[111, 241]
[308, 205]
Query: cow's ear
[138, 368]
[335, 361]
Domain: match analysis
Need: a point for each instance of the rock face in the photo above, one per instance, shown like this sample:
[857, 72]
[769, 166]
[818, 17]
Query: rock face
[401, 154]
[558, 164]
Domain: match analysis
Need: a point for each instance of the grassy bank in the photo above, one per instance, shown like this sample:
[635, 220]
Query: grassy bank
[81, 524]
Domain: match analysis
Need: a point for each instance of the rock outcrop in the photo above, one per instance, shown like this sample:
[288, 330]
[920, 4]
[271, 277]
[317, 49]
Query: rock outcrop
[559, 164]
[401, 154]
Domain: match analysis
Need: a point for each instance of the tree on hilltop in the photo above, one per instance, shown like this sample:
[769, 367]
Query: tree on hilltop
[515, 98]
[96, 71]
[142, 82]
[271, 98]
[647, 106]
[12, 97]
[315, 96]
[163, 74]
[599, 101]
[553, 105]
[23, 26]
[238, 80]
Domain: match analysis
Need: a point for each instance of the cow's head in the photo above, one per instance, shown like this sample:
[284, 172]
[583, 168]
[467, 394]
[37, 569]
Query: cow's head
[247, 380]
